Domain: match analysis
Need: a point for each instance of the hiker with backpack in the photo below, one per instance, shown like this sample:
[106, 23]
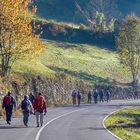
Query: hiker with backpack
[74, 94]
[27, 109]
[9, 103]
[95, 96]
[40, 108]
[89, 97]
[101, 95]
[107, 94]
[79, 96]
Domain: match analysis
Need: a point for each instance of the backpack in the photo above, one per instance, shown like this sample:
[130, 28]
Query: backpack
[95, 94]
[24, 105]
[39, 103]
[79, 96]
[8, 100]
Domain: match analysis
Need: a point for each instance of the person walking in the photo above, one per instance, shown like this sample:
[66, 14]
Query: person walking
[107, 95]
[31, 98]
[95, 96]
[27, 109]
[89, 97]
[40, 108]
[9, 103]
[74, 94]
[79, 98]
[101, 95]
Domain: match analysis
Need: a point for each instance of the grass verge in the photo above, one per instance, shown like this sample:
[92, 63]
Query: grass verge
[125, 123]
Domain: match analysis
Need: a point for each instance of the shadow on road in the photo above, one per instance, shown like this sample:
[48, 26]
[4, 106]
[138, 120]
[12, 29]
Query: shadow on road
[92, 128]
[103, 114]
[14, 127]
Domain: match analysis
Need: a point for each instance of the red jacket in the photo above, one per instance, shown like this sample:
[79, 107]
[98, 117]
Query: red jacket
[40, 103]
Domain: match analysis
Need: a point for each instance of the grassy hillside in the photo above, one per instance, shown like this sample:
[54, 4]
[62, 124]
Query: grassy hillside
[63, 67]
[66, 11]
[85, 62]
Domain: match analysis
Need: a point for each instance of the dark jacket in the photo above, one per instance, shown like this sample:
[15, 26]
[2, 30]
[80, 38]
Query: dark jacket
[11, 104]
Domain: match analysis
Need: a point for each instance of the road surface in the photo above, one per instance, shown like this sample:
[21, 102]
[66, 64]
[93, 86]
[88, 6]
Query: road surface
[66, 123]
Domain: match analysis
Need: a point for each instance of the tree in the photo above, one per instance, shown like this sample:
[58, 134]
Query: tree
[128, 46]
[17, 37]
[106, 8]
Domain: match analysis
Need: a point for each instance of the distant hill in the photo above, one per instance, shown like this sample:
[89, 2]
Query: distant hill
[66, 11]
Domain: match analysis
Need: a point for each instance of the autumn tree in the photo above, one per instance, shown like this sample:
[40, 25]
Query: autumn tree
[128, 46]
[17, 36]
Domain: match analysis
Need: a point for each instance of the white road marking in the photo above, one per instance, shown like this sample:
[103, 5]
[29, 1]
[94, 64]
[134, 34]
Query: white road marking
[41, 129]
[103, 122]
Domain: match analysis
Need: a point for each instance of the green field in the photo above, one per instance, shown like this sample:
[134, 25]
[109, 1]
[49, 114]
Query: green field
[89, 63]
[125, 123]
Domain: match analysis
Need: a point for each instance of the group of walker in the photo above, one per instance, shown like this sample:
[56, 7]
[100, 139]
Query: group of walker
[37, 106]
[29, 105]
[99, 95]
[76, 97]
[95, 95]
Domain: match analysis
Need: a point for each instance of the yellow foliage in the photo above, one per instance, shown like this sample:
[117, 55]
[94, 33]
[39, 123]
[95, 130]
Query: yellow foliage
[17, 36]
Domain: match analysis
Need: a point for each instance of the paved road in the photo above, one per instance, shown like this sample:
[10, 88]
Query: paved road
[66, 123]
